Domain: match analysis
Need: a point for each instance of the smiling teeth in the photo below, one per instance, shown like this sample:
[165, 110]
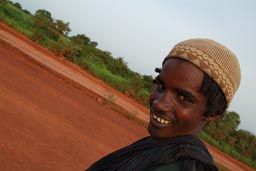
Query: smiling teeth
[161, 120]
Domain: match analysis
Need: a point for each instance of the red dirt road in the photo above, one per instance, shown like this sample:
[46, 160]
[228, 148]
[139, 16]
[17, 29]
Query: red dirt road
[52, 117]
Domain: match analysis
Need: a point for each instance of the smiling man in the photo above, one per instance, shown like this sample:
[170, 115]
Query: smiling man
[196, 84]
[177, 105]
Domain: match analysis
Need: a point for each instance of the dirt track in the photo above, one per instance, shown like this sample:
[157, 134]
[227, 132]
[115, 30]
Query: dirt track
[52, 117]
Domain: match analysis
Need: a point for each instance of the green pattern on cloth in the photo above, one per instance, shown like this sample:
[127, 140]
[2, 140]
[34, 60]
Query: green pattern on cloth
[166, 167]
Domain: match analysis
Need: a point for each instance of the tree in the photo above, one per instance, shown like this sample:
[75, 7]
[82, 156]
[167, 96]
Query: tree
[81, 40]
[223, 128]
[246, 143]
[137, 83]
[17, 5]
[44, 15]
[3, 1]
[233, 119]
[61, 27]
[44, 26]
[148, 82]
[93, 44]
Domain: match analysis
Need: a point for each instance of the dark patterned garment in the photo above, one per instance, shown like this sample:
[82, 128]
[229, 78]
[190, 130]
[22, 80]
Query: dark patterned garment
[148, 154]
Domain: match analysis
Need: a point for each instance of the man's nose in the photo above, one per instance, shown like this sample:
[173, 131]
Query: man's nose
[164, 102]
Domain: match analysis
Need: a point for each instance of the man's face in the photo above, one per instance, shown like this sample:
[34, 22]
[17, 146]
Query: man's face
[176, 105]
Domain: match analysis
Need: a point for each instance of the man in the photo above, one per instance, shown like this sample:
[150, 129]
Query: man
[196, 84]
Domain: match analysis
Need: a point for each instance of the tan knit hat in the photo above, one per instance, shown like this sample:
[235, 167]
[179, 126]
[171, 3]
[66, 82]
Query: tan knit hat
[214, 59]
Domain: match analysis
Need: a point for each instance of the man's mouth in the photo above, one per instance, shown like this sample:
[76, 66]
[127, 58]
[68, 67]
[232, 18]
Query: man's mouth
[161, 120]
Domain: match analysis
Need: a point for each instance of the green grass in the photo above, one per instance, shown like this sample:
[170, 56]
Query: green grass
[98, 69]
[116, 81]
[16, 18]
[226, 148]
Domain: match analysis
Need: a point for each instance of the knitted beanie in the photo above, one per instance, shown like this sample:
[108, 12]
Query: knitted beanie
[214, 59]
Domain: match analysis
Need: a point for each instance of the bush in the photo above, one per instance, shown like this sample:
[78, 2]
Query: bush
[142, 96]
[101, 72]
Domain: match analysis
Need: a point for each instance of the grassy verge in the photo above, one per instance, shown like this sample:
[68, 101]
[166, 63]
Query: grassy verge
[226, 148]
[16, 18]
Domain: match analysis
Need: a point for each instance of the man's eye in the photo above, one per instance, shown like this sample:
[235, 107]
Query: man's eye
[181, 97]
[160, 86]
[184, 98]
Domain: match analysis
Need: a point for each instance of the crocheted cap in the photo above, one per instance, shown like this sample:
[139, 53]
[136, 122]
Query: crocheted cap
[214, 59]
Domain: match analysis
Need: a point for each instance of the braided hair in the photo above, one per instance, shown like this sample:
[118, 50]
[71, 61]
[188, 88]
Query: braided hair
[216, 101]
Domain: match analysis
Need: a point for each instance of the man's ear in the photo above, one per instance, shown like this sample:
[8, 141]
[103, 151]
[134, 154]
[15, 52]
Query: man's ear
[212, 118]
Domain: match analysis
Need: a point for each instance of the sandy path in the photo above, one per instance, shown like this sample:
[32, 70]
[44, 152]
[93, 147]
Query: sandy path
[51, 123]
[72, 73]
[47, 124]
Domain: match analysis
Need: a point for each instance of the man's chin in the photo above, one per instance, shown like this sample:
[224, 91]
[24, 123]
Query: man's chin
[153, 132]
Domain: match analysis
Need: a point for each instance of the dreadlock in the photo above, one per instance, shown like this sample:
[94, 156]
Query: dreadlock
[216, 101]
